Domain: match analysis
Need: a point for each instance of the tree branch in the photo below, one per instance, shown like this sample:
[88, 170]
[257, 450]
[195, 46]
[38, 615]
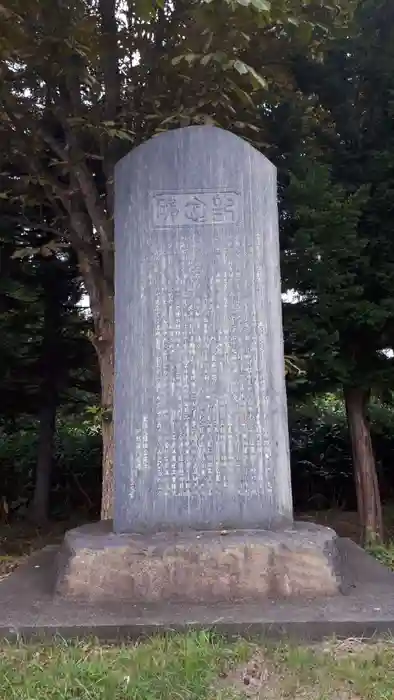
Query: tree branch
[96, 211]
[110, 58]
[112, 85]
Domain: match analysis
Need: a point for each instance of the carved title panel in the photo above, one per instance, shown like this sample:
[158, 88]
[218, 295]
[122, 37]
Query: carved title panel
[174, 209]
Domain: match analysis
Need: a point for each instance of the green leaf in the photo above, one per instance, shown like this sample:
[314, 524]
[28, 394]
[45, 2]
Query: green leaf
[24, 253]
[261, 82]
[121, 134]
[244, 69]
[242, 95]
[206, 59]
[208, 42]
[188, 57]
[263, 5]
[191, 57]
[240, 67]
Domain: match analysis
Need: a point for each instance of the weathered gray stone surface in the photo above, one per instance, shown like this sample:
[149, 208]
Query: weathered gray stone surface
[200, 406]
[98, 565]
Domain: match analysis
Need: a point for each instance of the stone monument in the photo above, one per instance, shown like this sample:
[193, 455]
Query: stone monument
[203, 505]
[201, 417]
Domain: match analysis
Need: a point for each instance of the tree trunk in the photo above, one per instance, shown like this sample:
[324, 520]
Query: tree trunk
[50, 370]
[105, 351]
[39, 505]
[101, 295]
[366, 481]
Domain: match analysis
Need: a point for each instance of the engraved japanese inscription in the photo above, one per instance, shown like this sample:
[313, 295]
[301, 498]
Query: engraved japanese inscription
[188, 208]
[200, 406]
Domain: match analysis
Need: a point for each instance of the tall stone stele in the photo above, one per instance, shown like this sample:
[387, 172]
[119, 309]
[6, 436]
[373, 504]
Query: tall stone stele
[200, 418]
[201, 437]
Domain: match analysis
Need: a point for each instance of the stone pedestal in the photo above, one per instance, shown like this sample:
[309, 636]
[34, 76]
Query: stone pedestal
[98, 565]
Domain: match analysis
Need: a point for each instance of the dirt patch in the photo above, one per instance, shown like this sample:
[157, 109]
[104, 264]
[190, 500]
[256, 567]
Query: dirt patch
[346, 523]
[355, 649]
[19, 539]
[256, 678]
[333, 670]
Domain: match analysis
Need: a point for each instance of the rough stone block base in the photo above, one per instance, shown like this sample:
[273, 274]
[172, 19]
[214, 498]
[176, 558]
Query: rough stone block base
[96, 564]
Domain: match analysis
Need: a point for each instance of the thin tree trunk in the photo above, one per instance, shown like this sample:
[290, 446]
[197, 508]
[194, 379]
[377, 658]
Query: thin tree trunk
[50, 368]
[366, 481]
[105, 350]
[103, 341]
[101, 297]
[39, 505]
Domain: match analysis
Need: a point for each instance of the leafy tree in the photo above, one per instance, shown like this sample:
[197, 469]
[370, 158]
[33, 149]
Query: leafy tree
[337, 221]
[44, 340]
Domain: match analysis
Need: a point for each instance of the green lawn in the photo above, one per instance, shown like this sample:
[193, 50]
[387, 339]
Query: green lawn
[198, 667]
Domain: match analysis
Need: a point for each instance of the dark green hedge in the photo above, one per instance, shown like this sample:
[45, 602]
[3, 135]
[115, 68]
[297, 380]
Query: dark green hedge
[320, 456]
[322, 472]
[76, 470]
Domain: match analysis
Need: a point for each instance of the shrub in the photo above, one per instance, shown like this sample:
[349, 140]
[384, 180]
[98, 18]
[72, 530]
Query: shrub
[322, 471]
[76, 468]
[321, 463]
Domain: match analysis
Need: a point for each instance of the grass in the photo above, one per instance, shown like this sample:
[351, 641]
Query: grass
[198, 667]
[383, 553]
[172, 668]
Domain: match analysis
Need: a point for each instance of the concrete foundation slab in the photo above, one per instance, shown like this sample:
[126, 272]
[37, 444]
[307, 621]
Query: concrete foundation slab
[30, 611]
